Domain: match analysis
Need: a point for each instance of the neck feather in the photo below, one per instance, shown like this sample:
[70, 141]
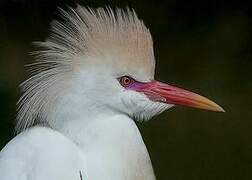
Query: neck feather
[113, 146]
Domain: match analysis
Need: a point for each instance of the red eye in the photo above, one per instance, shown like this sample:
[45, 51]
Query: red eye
[125, 81]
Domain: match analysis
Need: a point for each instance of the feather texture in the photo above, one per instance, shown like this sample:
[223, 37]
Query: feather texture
[106, 37]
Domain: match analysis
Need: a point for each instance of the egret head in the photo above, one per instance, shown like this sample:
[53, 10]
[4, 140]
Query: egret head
[98, 60]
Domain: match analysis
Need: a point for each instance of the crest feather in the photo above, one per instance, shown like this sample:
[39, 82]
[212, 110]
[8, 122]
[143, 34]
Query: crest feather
[80, 34]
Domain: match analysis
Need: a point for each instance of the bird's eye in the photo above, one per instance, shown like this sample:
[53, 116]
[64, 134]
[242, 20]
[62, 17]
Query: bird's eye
[126, 81]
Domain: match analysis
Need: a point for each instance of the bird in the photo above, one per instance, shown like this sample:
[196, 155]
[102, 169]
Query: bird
[92, 80]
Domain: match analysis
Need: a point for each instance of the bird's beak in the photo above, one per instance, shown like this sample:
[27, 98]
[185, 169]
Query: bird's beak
[161, 92]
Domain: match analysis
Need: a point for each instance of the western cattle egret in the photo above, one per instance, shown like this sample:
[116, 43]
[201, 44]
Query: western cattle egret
[93, 77]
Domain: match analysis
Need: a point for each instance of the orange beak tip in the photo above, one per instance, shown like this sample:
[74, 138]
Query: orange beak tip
[220, 109]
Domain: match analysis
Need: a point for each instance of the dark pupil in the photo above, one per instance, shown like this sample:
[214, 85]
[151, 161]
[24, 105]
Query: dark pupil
[126, 80]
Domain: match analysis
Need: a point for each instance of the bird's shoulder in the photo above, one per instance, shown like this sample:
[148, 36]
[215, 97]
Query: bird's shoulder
[41, 150]
[38, 138]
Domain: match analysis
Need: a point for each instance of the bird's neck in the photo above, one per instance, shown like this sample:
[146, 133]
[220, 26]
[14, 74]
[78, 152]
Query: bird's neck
[100, 128]
[113, 146]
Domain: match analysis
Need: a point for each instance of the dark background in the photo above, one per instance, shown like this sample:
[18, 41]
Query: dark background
[201, 45]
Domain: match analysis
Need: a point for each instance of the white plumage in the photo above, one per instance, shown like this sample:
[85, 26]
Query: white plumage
[86, 39]
[41, 153]
[92, 77]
